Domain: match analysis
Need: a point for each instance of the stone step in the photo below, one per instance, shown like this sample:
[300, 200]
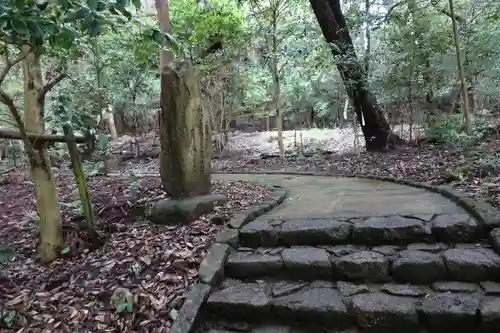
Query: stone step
[417, 263]
[244, 327]
[449, 307]
[363, 230]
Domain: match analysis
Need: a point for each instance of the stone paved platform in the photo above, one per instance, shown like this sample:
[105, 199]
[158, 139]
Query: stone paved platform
[349, 197]
[353, 255]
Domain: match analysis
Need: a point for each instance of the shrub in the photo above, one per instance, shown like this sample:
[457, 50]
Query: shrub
[449, 129]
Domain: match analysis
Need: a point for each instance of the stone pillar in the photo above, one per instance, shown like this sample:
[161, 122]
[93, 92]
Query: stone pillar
[185, 134]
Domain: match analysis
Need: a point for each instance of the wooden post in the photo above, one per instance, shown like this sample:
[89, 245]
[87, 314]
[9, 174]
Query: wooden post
[76, 163]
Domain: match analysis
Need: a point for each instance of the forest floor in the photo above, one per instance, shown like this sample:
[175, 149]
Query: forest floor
[475, 169]
[156, 264]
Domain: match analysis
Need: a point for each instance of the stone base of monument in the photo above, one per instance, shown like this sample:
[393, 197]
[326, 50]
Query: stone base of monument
[184, 211]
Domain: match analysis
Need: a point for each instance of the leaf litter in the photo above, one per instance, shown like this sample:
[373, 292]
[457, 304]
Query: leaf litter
[474, 170]
[135, 282]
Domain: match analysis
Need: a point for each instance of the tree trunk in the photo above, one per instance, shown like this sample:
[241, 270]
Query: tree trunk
[111, 123]
[367, 37]
[276, 82]
[185, 135]
[51, 239]
[376, 130]
[465, 95]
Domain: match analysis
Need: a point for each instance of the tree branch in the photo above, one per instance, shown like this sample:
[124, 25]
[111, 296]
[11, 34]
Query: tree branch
[51, 84]
[23, 135]
[32, 137]
[457, 17]
[11, 63]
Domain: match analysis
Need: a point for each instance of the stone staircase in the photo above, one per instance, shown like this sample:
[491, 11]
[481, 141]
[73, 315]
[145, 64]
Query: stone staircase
[414, 273]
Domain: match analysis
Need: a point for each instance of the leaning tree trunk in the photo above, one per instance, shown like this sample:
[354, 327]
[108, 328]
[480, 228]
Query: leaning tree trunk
[185, 134]
[51, 239]
[376, 130]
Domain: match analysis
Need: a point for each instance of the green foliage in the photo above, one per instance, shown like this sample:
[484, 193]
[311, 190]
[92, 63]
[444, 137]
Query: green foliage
[6, 254]
[195, 27]
[7, 319]
[448, 129]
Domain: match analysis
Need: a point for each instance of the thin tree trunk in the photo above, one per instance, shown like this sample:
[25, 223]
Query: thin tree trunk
[277, 83]
[367, 37]
[51, 239]
[465, 95]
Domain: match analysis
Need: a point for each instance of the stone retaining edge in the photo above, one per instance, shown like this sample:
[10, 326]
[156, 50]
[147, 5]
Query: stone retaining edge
[485, 213]
[211, 271]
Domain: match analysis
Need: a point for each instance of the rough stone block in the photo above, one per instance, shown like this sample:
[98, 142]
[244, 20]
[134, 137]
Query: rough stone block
[455, 228]
[229, 237]
[343, 250]
[392, 229]
[184, 211]
[418, 267]
[315, 305]
[490, 314]
[408, 290]
[491, 288]
[258, 233]
[379, 311]
[190, 311]
[428, 247]
[240, 301]
[495, 239]
[314, 232]
[347, 289]
[272, 329]
[387, 250]
[212, 267]
[472, 265]
[447, 312]
[237, 221]
[364, 266]
[247, 264]
[307, 262]
[455, 287]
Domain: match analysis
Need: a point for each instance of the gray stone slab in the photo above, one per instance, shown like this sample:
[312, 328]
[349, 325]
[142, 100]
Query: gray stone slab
[392, 229]
[418, 267]
[247, 265]
[240, 300]
[307, 262]
[315, 305]
[314, 232]
[448, 312]
[379, 311]
[472, 265]
[362, 266]
[350, 197]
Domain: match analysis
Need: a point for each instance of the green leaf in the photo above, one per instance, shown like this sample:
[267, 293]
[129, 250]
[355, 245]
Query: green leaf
[101, 6]
[121, 4]
[66, 38]
[19, 26]
[95, 29]
[137, 3]
[92, 4]
[65, 250]
[63, 3]
[78, 14]
[6, 254]
[19, 4]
